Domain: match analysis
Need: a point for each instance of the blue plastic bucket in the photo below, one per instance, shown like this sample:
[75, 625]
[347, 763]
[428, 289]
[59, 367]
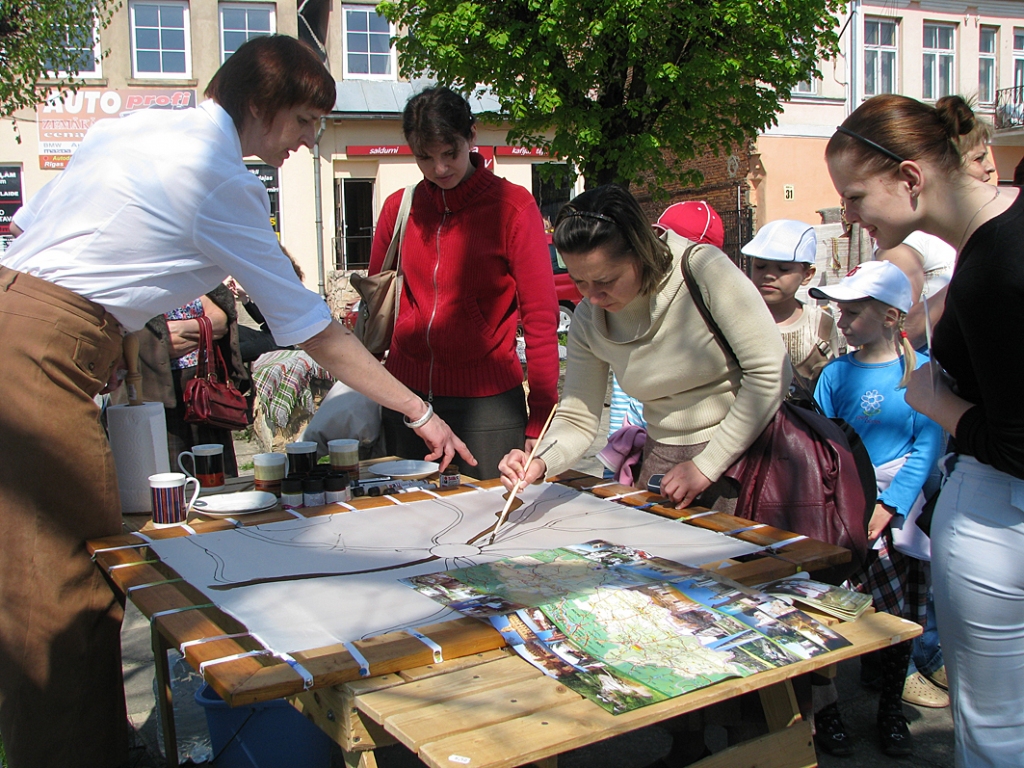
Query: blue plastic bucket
[268, 734]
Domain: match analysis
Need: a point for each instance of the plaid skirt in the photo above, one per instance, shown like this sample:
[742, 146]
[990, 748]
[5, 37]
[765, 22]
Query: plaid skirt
[898, 584]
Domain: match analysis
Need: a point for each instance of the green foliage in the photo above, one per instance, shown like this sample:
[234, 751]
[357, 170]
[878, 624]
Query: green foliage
[34, 37]
[621, 80]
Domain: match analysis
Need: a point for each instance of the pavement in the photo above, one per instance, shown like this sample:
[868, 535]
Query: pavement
[932, 729]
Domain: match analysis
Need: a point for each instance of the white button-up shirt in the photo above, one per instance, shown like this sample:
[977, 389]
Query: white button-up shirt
[153, 211]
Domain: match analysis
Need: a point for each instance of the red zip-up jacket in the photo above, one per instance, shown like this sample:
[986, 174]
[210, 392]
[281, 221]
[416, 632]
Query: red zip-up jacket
[475, 261]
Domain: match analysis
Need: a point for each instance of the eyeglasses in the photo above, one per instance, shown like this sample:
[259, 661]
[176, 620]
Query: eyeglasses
[877, 147]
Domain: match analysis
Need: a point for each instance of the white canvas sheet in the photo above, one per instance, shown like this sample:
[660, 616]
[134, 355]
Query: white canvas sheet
[303, 584]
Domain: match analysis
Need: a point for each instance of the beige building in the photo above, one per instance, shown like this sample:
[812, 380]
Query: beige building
[162, 53]
[925, 49]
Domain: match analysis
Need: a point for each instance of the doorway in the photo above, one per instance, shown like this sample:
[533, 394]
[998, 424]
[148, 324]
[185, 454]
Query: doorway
[353, 223]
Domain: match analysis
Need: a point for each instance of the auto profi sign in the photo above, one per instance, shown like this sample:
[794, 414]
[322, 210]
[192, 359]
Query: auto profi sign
[65, 117]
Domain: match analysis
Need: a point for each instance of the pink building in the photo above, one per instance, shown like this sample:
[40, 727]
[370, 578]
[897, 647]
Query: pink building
[925, 49]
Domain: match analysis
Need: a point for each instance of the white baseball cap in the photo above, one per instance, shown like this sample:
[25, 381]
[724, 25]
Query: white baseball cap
[880, 280]
[783, 240]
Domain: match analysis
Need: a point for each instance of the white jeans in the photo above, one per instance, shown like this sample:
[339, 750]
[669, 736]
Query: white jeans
[978, 580]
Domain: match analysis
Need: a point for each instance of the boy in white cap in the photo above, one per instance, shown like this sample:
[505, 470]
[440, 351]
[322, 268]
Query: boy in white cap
[783, 254]
[865, 388]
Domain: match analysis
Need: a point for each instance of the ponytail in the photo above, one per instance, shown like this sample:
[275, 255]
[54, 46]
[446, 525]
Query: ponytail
[904, 347]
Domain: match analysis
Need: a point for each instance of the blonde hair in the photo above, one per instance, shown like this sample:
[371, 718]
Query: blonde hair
[904, 346]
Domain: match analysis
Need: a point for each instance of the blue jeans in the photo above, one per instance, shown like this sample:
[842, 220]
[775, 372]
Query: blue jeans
[926, 656]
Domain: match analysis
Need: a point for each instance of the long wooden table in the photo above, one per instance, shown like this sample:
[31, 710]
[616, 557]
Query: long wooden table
[483, 705]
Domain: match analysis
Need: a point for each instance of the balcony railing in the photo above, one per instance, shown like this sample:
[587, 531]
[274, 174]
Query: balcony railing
[1010, 108]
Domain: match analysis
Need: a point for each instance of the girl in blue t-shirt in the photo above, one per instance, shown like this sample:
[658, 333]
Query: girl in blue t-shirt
[865, 388]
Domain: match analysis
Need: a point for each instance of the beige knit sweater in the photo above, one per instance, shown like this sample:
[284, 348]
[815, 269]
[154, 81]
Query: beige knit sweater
[663, 353]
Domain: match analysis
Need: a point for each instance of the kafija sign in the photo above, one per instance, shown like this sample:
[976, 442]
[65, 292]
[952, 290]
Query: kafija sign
[64, 117]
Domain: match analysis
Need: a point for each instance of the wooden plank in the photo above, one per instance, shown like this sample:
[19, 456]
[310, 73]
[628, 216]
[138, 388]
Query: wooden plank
[575, 725]
[454, 665]
[331, 709]
[753, 571]
[790, 748]
[164, 701]
[780, 708]
[359, 759]
[385, 654]
[472, 712]
[385, 704]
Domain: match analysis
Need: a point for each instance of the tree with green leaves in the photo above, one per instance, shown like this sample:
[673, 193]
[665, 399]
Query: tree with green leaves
[45, 39]
[621, 81]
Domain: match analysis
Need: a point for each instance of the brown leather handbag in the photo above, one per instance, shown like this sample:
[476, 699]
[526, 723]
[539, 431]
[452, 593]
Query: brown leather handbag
[210, 397]
[800, 474]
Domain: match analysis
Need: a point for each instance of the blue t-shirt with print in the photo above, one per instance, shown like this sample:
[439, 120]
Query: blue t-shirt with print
[866, 396]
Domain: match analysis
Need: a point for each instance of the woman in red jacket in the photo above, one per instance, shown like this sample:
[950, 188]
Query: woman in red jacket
[476, 264]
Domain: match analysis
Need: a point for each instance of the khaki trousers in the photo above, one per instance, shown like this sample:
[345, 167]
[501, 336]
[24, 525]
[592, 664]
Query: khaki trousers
[61, 689]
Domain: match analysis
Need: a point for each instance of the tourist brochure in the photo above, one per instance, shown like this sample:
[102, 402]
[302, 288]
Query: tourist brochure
[842, 603]
[625, 628]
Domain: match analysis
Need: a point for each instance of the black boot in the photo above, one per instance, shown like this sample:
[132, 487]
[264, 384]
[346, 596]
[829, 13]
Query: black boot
[893, 733]
[830, 733]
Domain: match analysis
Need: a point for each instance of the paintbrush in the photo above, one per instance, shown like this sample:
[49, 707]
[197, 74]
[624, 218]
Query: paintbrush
[515, 487]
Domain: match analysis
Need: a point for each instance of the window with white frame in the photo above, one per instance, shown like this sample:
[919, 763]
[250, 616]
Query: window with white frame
[241, 22]
[806, 87]
[83, 45]
[367, 44]
[939, 60]
[1018, 60]
[987, 64]
[161, 43]
[880, 51]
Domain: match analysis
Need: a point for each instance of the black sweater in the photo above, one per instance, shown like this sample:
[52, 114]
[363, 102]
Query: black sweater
[980, 341]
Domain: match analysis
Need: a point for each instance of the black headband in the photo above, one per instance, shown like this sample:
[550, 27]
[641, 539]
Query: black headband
[877, 147]
[589, 215]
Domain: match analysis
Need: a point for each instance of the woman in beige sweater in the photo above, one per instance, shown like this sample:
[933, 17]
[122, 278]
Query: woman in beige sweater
[703, 410]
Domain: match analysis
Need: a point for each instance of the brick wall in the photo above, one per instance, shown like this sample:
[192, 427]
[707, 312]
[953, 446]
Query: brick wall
[722, 175]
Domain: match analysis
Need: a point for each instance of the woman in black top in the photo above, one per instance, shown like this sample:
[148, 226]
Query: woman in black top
[896, 165]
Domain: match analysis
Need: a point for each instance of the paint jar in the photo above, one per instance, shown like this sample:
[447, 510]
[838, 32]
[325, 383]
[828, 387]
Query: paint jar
[313, 492]
[301, 457]
[450, 477]
[336, 488]
[268, 471]
[291, 493]
[344, 455]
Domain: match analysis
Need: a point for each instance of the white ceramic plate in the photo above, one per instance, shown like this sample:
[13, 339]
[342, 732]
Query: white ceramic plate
[406, 469]
[241, 503]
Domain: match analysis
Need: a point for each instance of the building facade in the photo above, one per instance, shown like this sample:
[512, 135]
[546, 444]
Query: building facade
[925, 49]
[160, 54]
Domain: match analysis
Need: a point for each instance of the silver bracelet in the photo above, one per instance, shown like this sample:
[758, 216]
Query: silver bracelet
[421, 420]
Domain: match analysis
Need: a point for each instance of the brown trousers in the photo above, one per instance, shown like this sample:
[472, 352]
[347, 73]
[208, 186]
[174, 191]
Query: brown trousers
[659, 458]
[61, 689]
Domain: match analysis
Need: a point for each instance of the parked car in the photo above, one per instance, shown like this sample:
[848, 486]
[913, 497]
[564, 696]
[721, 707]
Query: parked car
[568, 295]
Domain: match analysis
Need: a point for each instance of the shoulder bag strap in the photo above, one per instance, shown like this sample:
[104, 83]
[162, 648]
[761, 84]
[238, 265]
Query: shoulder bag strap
[393, 257]
[698, 300]
[205, 347]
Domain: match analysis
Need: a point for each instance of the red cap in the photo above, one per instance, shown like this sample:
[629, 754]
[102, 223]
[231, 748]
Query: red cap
[694, 220]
